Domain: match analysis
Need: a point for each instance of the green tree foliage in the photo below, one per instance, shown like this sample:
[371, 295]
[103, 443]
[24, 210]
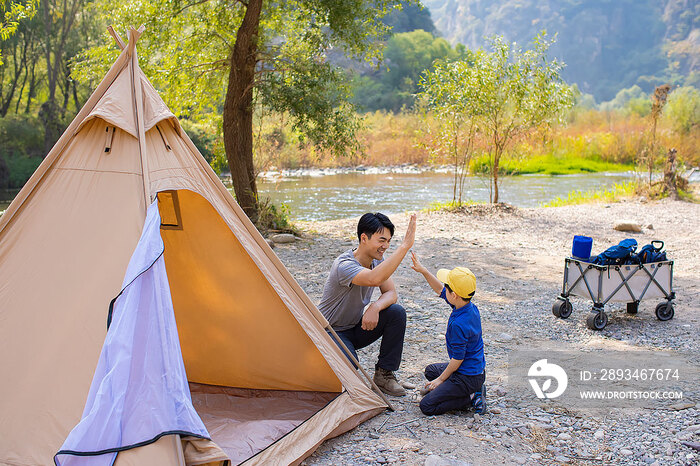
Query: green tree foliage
[683, 110]
[394, 84]
[22, 71]
[255, 53]
[11, 13]
[507, 92]
[632, 100]
[623, 97]
[410, 16]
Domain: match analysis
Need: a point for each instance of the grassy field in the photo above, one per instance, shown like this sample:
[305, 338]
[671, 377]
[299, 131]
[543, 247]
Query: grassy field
[617, 192]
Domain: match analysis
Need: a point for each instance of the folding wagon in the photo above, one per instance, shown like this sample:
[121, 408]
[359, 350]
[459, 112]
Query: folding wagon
[629, 283]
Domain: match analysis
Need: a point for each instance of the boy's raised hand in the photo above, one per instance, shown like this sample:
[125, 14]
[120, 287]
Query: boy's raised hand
[432, 280]
[417, 266]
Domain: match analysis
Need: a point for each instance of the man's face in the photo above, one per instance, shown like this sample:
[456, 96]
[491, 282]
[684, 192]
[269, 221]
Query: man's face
[377, 244]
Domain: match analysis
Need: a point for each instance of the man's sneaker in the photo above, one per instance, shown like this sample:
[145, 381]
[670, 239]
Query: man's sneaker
[479, 400]
[386, 381]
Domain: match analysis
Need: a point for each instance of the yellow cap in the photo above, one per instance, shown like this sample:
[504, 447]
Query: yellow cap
[461, 280]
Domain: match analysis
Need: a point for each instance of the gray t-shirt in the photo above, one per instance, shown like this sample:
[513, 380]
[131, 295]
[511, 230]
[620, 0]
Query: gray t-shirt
[343, 303]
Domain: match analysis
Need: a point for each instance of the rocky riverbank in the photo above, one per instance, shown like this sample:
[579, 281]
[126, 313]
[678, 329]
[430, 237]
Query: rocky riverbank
[517, 256]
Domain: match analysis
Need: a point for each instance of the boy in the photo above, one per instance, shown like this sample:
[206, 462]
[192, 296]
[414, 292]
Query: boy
[458, 384]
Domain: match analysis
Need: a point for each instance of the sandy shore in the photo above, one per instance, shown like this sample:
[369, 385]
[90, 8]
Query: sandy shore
[517, 256]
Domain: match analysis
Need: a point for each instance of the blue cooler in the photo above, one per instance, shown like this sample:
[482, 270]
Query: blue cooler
[582, 248]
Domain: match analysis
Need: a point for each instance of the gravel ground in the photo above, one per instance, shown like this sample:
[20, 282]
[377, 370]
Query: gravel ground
[517, 256]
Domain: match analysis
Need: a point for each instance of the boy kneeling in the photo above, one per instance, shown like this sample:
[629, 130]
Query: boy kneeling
[458, 384]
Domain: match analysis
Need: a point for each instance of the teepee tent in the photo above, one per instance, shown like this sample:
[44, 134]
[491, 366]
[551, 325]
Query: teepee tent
[212, 353]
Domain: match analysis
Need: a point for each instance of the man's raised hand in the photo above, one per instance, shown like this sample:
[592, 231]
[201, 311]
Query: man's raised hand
[410, 236]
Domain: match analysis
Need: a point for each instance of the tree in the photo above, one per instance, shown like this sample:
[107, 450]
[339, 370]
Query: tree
[649, 154]
[683, 110]
[454, 136]
[21, 53]
[60, 19]
[260, 53]
[507, 91]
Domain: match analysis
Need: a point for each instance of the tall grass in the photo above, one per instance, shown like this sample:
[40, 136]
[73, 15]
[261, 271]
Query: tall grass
[549, 164]
[613, 194]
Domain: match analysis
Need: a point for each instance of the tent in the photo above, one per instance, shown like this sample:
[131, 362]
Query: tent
[213, 352]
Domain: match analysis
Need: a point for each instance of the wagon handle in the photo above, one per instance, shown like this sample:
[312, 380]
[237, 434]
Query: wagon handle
[657, 248]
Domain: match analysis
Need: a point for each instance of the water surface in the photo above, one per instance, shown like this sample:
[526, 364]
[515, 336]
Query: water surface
[351, 194]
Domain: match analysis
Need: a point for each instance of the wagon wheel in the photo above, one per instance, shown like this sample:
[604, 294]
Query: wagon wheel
[597, 320]
[562, 309]
[664, 311]
[632, 308]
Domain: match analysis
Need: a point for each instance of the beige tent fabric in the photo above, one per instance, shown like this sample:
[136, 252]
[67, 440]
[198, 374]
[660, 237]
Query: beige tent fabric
[154, 109]
[343, 414]
[173, 450]
[114, 108]
[65, 243]
[166, 451]
[202, 452]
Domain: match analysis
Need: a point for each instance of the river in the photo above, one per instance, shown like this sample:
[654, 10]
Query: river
[350, 194]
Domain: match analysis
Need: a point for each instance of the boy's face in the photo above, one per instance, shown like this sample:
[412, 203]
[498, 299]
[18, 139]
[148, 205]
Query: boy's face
[451, 296]
[377, 244]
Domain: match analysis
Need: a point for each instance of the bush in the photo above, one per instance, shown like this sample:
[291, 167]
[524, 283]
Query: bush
[21, 168]
[21, 135]
[21, 149]
[4, 174]
[273, 218]
[201, 136]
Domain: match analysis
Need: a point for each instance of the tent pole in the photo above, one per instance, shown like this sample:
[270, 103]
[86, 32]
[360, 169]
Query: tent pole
[138, 96]
[117, 37]
[357, 363]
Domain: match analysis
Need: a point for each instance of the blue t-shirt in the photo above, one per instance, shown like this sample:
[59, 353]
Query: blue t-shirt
[463, 338]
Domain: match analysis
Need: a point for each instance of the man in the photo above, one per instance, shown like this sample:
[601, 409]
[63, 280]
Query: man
[348, 292]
